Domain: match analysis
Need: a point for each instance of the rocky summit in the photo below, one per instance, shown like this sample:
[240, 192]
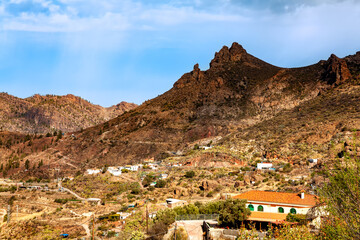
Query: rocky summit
[240, 97]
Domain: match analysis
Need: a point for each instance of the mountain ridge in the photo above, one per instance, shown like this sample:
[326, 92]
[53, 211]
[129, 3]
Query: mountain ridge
[48, 113]
[237, 94]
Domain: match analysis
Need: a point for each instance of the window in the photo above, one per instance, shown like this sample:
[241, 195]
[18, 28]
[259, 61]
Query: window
[280, 210]
[260, 208]
[251, 207]
[293, 211]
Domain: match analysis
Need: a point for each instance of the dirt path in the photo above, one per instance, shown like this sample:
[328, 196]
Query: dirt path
[193, 228]
[64, 160]
[71, 192]
[85, 225]
[23, 216]
[3, 213]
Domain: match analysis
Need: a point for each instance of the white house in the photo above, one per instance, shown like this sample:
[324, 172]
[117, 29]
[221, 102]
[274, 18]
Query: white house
[96, 201]
[274, 206]
[264, 166]
[313, 160]
[153, 166]
[93, 171]
[115, 171]
[123, 215]
[152, 215]
[163, 176]
[171, 202]
[133, 168]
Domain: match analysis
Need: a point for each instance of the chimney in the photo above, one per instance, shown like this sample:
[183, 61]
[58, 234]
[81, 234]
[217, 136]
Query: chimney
[302, 195]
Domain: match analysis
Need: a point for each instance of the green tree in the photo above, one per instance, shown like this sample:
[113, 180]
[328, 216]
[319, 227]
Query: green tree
[161, 223]
[137, 235]
[105, 168]
[41, 163]
[160, 183]
[288, 232]
[148, 179]
[59, 135]
[166, 216]
[27, 164]
[180, 234]
[189, 209]
[233, 212]
[189, 174]
[341, 196]
[11, 200]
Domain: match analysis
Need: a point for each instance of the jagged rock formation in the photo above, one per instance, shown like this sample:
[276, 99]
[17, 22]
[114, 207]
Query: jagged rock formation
[337, 71]
[42, 114]
[237, 92]
[238, 96]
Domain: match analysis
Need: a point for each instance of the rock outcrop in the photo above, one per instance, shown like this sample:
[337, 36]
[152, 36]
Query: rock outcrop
[337, 71]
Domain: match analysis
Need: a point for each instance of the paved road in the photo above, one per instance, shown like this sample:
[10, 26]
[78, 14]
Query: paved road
[193, 228]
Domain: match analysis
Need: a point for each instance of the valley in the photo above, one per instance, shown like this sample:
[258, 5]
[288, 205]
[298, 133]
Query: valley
[79, 169]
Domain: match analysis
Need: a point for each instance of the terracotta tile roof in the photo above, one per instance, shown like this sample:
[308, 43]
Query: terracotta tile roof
[278, 197]
[267, 217]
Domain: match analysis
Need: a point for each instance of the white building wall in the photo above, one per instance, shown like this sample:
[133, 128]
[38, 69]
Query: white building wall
[92, 171]
[274, 209]
[264, 165]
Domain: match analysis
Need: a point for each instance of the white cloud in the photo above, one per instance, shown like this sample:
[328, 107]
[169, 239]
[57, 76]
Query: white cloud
[76, 15]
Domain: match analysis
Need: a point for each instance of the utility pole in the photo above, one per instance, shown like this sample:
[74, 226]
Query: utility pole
[93, 228]
[175, 231]
[147, 219]
[8, 214]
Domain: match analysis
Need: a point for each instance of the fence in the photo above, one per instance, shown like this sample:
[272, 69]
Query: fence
[197, 217]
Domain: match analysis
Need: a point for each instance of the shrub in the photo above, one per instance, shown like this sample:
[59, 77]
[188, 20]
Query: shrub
[233, 212]
[287, 168]
[298, 218]
[62, 201]
[160, 183]
[210, 194]
[342, 199]
[189, 174]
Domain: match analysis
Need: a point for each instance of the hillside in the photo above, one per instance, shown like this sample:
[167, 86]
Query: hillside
[43, 114]
[251, 108]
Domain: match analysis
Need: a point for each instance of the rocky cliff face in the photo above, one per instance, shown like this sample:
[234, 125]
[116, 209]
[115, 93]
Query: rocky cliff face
[42, 114]
[237, 94]
[337, 71]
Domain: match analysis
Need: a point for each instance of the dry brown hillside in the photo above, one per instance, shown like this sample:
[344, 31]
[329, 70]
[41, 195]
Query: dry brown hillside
[237, 92]
[239, 98]
[43, 114]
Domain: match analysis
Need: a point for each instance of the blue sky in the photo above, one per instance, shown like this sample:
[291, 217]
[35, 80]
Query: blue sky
[107, 51]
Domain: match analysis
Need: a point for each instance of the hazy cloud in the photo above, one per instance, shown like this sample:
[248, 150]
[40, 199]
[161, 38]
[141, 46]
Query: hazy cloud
[85, 15]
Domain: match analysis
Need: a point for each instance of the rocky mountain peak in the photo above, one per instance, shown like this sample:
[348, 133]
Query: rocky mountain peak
[233, 54]
[337, 70]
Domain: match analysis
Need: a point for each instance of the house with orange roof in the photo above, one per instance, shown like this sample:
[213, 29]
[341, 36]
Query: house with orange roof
[273, 207]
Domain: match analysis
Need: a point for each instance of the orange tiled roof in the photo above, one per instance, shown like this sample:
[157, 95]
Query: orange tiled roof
[267, 217]
[278, 197]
